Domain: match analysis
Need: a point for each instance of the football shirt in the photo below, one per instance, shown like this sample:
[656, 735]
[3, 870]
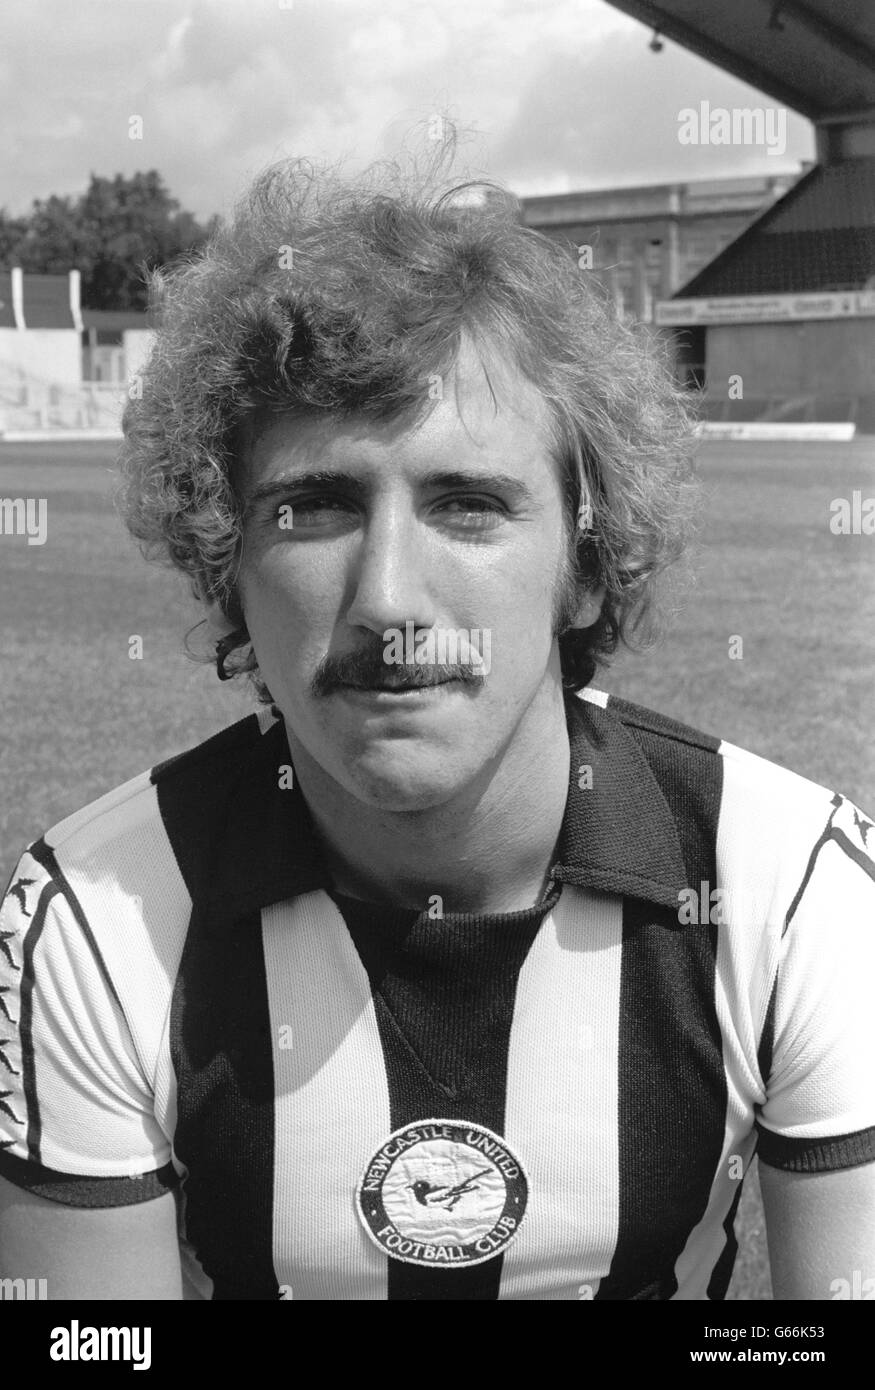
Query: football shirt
[357, 1101]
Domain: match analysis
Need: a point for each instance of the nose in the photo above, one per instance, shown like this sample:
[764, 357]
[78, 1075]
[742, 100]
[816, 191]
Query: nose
[391, 575]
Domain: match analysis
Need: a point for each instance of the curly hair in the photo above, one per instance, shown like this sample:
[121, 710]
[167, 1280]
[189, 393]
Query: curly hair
[345, 295]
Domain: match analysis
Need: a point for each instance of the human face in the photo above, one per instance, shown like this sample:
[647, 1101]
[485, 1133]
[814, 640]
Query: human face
[354, 530]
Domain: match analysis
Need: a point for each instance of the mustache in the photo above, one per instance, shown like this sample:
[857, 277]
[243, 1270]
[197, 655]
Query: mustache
[367, 668]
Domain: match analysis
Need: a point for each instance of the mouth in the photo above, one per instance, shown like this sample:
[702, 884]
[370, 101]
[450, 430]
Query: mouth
[399, 689]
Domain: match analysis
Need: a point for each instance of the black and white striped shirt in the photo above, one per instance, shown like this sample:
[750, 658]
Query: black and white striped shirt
[367, 1102]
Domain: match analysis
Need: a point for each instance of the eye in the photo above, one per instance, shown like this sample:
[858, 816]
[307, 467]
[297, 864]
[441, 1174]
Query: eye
[474, 513]
[324, 509]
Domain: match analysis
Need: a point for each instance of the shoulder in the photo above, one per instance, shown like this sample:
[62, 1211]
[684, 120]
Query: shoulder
[678, 753]
[777, 837]
[174, 803]
[98, 908]
[118, 877]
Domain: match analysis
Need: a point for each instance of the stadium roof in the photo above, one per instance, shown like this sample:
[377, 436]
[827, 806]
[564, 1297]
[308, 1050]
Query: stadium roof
[817, 57]
[819, 236]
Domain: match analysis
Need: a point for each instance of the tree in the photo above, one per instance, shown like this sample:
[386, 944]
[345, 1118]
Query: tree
[52, 242]
[111, 233]
[12, 230]
[132, 224]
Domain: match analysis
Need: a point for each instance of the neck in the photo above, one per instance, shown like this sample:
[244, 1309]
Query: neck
[488, 849]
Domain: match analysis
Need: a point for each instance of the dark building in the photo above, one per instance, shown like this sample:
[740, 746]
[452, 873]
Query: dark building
[780, 326]
[643, 243]
[789, 307]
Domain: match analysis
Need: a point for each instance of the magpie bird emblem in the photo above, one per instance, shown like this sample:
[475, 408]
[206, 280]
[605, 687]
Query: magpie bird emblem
[433, 1195]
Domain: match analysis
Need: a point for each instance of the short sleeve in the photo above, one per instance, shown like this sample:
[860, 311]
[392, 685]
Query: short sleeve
[77, 1115]
[818, 1047]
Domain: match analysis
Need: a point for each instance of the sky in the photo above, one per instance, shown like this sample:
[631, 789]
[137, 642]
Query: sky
[552, 95]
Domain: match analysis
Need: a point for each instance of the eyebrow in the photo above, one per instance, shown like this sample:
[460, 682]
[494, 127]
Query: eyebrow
[336, 479]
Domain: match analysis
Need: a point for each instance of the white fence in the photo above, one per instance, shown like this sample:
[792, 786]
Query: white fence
[34, 408]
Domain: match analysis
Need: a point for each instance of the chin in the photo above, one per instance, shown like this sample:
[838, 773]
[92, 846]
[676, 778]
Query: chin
[401, 784]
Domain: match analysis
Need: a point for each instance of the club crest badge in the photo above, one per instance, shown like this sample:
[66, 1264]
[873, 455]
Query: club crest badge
[443, 1193]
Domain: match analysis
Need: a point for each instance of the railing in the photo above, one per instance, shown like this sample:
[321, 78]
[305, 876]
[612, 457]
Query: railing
[30, 403]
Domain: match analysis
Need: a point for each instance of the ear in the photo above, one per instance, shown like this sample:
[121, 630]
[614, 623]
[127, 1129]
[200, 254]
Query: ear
[589, 607]
[218, 625]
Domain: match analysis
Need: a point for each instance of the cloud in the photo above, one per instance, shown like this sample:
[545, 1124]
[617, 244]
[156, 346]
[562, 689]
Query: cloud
[607, 114]
[559, 94]
[171, 58]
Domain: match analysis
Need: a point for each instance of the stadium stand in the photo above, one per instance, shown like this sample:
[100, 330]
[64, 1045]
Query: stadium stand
[819, 237]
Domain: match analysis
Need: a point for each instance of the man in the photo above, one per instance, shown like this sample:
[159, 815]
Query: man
[443, 976]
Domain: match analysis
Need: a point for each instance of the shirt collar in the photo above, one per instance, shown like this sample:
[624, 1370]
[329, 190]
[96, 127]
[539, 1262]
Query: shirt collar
[618, 834]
